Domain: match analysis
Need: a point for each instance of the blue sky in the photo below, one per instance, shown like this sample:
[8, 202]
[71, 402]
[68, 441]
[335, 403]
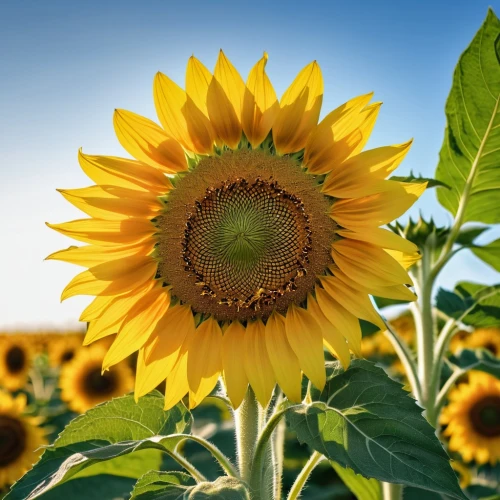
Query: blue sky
[66, 66]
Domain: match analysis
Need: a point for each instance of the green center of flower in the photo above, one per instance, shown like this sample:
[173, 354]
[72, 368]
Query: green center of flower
[96, 384]
[12, 440]
[485, 416]
[15, 359]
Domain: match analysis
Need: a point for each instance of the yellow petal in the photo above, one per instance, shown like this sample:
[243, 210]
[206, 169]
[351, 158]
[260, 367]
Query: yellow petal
[225, 100]
[198, 80]
[233, 355]
[180, 117]
[368, 264]
[369, 116]
[91, 255]
[204, 361]
[112, 278]
[162, 350]
[106, 232]
[95, 308]
[283, 360]
[260, 105]
[332, 338]
[110, 170]
[111, 317]
[112, 202]
[397, 292]
[299, 110]
[345, 322]
[334, 139]
[257, 365]
[405, 259]
[377, 209]
[345, 178]
[148, 143]
[304, 336]
[383, 238]
[138, 325]
[177, 382]
[354, 301]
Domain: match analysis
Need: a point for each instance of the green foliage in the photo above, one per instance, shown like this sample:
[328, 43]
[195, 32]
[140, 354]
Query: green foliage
[419, 180]
[362, 487]
[489, 253]
[157, 485]
[478, 359]
[470, 156]
[108, 432]
[471, 303]
[365, 421]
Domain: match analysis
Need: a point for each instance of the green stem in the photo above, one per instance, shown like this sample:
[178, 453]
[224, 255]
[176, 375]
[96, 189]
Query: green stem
[197, 475]
[304, 474]
[224, 461]
[246, 423]
[443, 393]
[392, 491]
[279, 453]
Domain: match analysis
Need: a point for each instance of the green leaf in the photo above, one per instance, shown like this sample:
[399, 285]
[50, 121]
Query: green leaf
[469, 160]
[362, 487]
[419, 180]
[468, 234]
[365, 421]
[489, 253]
[483, 304]
[477, 359]
[157, 485]
[224, 488]
[108, 432]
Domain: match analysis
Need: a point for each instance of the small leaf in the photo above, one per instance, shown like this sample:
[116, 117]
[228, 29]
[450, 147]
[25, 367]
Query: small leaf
[489, 253]
[224, 488]
[366, 421]
[158, 485]
[362, 487]
[483, 304]
[468, 234]
[451, 303]
[419, 180]
[469, 159]
[477, 359]
[108, 432]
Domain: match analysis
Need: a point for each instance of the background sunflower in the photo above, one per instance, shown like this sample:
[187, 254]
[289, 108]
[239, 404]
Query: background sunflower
[15, 361]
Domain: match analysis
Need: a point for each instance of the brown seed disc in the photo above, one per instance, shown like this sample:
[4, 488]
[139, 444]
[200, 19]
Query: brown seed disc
[12, 439]
[244, 234]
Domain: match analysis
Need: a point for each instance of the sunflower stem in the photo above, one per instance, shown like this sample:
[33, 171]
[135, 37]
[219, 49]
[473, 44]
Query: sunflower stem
[304, 474]
[247, 431]
[392, 491]
[279, 453]
[183, 462]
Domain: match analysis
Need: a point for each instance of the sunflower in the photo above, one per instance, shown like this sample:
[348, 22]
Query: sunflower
[15, 361]
[259, 246]
[63, 347]
[464, 473]
[485, 338]
[473, 419]
[83, 385]
[20, 439]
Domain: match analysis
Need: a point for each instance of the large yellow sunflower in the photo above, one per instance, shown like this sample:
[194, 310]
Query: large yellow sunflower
[15, 361]
[473, 419]
[259, 246]
[83, 385]
[63, 347]
[486, 338]
[20, 439]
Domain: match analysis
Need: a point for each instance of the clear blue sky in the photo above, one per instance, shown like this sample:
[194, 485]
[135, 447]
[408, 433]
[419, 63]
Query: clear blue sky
[64, 67]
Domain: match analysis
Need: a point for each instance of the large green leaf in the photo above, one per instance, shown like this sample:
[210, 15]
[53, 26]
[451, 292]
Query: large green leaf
[489, 253]
[473, 304]
[469, 160]
[157, 485]
[108, 432]
[362, 487]
[365, 421]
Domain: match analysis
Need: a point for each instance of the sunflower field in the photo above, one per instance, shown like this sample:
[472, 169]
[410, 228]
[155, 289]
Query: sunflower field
[265, 322]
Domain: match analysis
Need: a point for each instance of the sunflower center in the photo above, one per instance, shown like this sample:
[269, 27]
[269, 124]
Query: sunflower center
[490, 346]
[12, 440]
[99, 385]
[252, 231]
[15, 359]
[67, 355]
[485, 416]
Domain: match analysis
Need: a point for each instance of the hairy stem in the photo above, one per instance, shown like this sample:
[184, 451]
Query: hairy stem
[304, 474]
[197, 475]
[246, 423]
